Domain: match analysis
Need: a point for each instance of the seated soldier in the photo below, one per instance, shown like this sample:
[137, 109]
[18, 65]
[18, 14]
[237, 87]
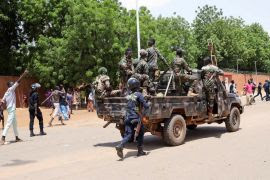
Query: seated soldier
[102, 85]
[179, 67]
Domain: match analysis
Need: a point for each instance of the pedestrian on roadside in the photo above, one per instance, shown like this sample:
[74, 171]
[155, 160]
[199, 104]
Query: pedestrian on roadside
[69, 101]
[2, 118]
[254, 85]
[249, 93]
[259, 91]
[266, 90]
[90, 105]
[63, 106]
[56, 99]
[34, 110]
[25, 101]
[232, 87]
[76, 98]
[10, 99]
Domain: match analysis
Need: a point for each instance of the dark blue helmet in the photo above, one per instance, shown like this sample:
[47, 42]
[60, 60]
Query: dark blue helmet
[133, 84]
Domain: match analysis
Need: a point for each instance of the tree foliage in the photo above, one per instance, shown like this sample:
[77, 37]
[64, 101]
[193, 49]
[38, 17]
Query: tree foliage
[67, 41]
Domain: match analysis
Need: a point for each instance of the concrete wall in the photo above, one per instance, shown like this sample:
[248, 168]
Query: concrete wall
[241, 79]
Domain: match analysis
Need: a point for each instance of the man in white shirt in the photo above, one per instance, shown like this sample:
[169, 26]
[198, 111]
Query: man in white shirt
[10, 100]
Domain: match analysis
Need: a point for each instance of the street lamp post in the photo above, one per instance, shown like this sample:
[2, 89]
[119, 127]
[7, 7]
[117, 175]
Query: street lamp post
[256, 71]
[138, 28]
[237, 65]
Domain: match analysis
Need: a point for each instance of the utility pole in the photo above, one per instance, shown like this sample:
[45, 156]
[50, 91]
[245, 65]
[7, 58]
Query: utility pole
[138, 28]
[237, 65]
[256, 71]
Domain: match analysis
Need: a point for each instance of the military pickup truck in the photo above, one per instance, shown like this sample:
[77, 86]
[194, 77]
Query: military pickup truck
[170, 116]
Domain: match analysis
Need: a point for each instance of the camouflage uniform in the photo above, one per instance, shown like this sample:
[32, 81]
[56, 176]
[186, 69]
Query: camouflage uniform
[126, 71]
[153, 55]
[102, 86]
[141, 74]
[209, 80]
[179, 65]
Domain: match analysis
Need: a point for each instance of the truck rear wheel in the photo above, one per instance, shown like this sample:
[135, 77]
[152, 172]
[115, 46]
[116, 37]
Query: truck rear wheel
[174, 132]
[233, 121]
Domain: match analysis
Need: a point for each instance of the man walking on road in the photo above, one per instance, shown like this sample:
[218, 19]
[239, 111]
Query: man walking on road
[56, 99]
[10, 99]
[259, 91]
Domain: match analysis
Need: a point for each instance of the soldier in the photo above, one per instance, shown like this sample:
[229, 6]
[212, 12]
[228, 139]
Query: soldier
[153, 55]
[209, 72]
[179, 65]
[102, 84]
[135, 100]
[126, 69]
[142, 71]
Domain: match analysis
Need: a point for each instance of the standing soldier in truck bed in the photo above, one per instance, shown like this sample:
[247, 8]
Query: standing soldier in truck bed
[179, 68]
[142, 71]
[153, 55]
[126, 69]
[209, 73]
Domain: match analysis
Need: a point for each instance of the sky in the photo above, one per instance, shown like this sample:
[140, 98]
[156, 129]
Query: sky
[249, 10]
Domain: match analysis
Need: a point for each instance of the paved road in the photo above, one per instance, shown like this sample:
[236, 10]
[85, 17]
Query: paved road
[84, 150]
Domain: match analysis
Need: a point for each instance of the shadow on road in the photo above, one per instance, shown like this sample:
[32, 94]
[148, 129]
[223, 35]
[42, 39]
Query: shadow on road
[153, 142]
[17, 162]
[205, 132]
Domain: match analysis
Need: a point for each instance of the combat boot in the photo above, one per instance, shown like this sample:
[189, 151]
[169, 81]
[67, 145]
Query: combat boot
[32, 133]
[3, 140]
[42, 133]
[141, 152]
[119, 150]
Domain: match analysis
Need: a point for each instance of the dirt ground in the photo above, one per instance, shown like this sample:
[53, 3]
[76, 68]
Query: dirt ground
[82, 149]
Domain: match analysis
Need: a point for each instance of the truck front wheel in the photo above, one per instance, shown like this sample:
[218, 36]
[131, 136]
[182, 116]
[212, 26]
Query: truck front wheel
[233, 121]
[175, 131]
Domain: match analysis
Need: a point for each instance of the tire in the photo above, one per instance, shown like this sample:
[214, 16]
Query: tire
[233, 121]
[174, 132]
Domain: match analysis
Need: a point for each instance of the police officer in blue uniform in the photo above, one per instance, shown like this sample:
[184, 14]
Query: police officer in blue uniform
[34, 110]
[135, 100]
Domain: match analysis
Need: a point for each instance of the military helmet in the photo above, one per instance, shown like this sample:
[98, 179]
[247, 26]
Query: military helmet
[143, 53]
[207, 60]
[180, 51]
[35, 86]
[133, 84]
[102, 70]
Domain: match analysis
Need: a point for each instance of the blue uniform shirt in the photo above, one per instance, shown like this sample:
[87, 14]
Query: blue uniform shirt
[134, 100]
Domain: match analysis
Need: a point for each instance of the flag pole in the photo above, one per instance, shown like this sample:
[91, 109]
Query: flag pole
[138, 28]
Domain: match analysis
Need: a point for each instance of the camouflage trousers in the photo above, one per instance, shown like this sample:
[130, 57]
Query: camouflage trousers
[181, 79]
[154, 74]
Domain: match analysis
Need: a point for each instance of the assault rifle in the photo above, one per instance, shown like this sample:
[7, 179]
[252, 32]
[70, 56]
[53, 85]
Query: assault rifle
[212, 51]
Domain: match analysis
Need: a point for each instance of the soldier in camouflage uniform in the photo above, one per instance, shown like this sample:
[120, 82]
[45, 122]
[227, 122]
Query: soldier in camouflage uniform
[153, 55]
[209, 74]
[126, 69]
[179, 66]
[102, 84]
[141, 71]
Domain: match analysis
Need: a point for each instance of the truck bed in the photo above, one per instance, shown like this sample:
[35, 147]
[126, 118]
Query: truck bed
[160, 108]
